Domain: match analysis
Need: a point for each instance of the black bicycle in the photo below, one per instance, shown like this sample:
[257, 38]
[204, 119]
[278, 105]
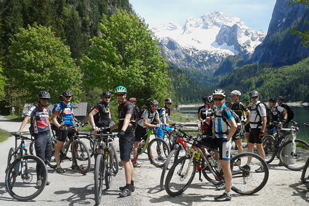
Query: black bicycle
[21, 176]
[106, 162]
[305, 172]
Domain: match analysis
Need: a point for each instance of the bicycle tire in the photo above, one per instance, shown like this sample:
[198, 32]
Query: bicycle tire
[270, 149]
[81, 156]
[176, 176]
[108, 169]
[32, 148]
[167, 165]
[302, 153]
[246, 181]
[155, 157]
[10, 159]
[305, 173]
[21, 187]
[114, 156]
[99, 174]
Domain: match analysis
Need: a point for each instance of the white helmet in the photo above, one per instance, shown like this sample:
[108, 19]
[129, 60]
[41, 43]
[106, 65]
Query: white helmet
[218, 92]
[236, 93]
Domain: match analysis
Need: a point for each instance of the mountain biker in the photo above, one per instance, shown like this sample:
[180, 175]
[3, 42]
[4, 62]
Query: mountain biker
[242, 113]
[143, 123]
[203, 115]
[126, 138]
[223, 133]
[133, 101]
[258, 121]
[40, 118]
[277, 114]
[63, 118]
[246, 103]
[163, 115]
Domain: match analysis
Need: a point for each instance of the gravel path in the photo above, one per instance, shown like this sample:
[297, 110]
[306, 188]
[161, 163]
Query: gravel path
[72, 188]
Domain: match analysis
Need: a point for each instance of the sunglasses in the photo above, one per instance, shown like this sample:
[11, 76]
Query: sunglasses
[67, 96]
[44, 99]
[169, 103]
[107, 97]
[217, 99]
[119, 95]
[254, 97]
[154, 106]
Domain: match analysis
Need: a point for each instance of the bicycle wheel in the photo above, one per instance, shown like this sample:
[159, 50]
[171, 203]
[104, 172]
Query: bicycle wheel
[305, 173]
[167, 166]
[81, 155]
[99, 174]
[89, 142]
[180, 176]
[11, 157]
[21, 178]
[108, 169]
[115, 161]
[245, 178]
[269, 147]
[32, 148]
[158, 151]
[294, 160]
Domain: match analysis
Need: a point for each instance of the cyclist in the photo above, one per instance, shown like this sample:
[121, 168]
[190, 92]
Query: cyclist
[223, 133]
[246, 103]
[143, 123]
[242, 113]
[133, 101]
[258, 121]
[41, 131]
[63, 118]
[164, 114]
[277, 114]
[203, 115]
[126, 136]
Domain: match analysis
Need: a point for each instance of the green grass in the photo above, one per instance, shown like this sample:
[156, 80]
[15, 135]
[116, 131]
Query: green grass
[4, 135]
[179, 117]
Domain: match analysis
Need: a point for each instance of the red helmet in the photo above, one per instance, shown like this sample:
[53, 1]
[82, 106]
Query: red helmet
[132, 99]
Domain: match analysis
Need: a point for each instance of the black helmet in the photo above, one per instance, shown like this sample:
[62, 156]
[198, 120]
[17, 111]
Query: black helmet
[272, 100]
[280, 98]
[106, 93]
[218, 92]
[44, 95]
[168, 101]
[209, 99]
[67, 94]
[154, 102]
[253, 94]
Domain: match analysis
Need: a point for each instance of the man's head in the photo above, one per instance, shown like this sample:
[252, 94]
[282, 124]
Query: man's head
[280, 100]
[235, 95]
[106, 97]
[44, 97]
[205, 101]
[67, 96]
[272, 102]
[168, 103]
[218, 97]
[254, 96]
[121, 93]
[154, 105]
[133, 100]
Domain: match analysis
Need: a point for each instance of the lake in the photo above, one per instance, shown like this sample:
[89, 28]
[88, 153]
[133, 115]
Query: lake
[301, 115]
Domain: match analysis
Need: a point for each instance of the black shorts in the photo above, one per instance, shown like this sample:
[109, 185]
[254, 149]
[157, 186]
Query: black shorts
[254, 136]
[63, 134]
[224, 148]
[247, 128]
[140, 133]
[126, 145]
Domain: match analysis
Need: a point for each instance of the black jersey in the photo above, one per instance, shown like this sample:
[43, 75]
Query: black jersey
[102, 117]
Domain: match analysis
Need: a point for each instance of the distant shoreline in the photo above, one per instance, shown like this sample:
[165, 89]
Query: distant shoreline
[293, 104]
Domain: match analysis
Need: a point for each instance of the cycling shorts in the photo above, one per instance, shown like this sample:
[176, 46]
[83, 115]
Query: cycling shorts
[254, 136]
[140, 133]
[63, 134]
[126, 145]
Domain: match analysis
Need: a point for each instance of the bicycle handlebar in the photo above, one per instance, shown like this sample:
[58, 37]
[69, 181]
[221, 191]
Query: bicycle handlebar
[19, 136]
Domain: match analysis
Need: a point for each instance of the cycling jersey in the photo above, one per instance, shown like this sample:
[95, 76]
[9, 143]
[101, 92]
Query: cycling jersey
[276, 113]
[240, 110]
[41, 117]
[103, 112]
[203, 111]
[66, 111]
[255, 118]
[221, 127]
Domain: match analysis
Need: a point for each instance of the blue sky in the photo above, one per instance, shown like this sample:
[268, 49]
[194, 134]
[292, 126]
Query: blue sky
[255, 13]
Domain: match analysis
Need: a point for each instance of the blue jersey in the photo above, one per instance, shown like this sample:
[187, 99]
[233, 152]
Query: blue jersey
[222, 128]
[66, 111]
[41, 117]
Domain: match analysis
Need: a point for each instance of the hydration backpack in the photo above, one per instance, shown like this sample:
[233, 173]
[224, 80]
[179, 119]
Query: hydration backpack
[268, 113]
[289, 112]
[237, 120]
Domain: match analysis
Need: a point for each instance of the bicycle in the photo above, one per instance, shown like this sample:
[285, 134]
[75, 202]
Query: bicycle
[106, 162]
[21, 175]
[291, 153]
[158, 145]
[245, 180]
[78, 149]
[305, 172]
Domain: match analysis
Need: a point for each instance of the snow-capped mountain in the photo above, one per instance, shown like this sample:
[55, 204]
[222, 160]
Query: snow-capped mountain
[203, 43]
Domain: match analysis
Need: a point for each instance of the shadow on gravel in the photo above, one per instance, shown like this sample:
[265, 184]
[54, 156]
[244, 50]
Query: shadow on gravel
[78, 195]
[302, 190]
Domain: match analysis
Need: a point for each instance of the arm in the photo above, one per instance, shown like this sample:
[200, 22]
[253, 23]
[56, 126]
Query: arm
[91, 120]
[233, 128]
[149, 125]
[23, 124]
[56, 123]
[126, 122]
[248, 117]
[264, 119]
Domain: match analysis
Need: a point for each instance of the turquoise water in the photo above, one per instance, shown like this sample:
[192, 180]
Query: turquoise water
[301, 115]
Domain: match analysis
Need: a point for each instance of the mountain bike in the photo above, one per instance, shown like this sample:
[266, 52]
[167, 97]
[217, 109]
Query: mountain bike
[106, 162]
[291, 153]
[305, 172]
[157, 149]
[78, 150]
[244, 178]
[21, 175]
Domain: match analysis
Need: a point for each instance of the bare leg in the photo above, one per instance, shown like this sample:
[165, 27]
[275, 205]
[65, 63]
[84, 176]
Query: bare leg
[136, 145]
[128, 170]
[58, 147]
[239, 145]
[260, 150]
[250, 149]
[227, 174]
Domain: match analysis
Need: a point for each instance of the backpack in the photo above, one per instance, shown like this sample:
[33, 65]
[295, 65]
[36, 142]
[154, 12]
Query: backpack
[33, 129]
[237, 120]
[134, 117]
[268, 113]
[289, 112]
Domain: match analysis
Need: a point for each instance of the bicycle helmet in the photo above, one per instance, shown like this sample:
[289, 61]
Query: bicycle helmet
[253, 94]
[168, 101]
[154, 102]
[209, 99]
[44, 95]
[67, 94]
[120, 89]
[106, 93]
[280, 98]
[132, 99]
[218, 92]
[272, 100]
[236, 93]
